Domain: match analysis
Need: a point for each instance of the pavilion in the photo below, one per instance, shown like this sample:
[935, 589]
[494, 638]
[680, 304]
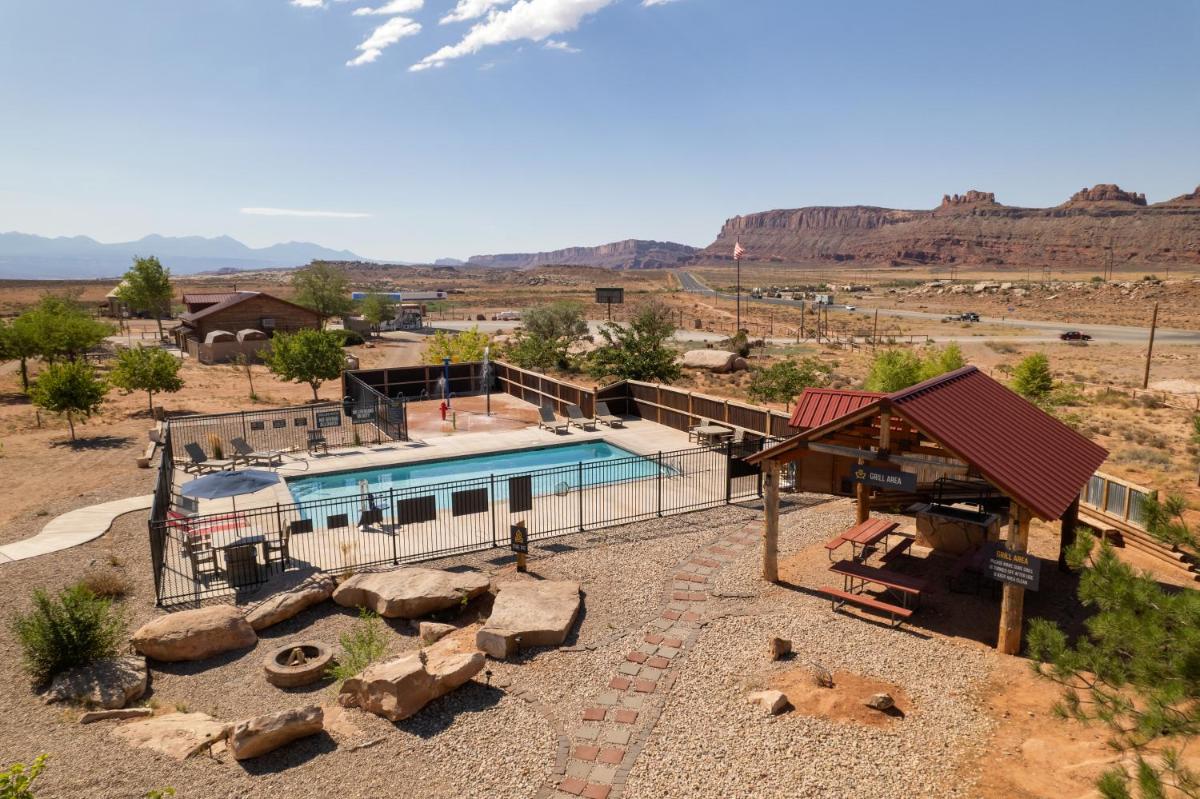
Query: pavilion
[962, 423]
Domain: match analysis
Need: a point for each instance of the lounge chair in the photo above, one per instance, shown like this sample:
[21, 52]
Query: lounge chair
[316, 441]
[575, 417]
[201, 463]
[550, 421]
[251, 456]
[604, 416]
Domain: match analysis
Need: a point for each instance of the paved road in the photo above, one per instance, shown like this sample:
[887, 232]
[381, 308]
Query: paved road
[1099, 333]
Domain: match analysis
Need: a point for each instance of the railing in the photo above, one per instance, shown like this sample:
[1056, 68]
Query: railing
[366, 403]
[404, 524]
[1115, 499]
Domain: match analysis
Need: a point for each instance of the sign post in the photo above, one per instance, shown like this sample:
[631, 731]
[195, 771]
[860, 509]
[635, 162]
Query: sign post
[610, 297]
[519, 543]
[1014, 568]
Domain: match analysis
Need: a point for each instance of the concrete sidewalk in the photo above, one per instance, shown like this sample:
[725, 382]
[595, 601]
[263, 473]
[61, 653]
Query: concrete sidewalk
[73, 528]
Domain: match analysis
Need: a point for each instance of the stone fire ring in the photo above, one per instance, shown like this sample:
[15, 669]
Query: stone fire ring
[317, 657]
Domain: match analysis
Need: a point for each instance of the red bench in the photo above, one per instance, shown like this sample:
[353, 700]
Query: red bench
[839, 597]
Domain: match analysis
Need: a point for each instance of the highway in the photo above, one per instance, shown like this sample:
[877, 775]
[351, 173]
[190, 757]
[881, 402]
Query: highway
[1117, 334]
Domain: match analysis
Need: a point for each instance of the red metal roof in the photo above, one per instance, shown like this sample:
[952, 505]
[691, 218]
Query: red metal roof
[1024, 451]
[818, 406]
[207, 299]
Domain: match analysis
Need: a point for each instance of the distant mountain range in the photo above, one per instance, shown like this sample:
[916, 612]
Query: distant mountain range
[628, 254]
[24, 256]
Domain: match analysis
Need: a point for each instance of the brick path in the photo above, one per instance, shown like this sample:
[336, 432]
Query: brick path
[606, 741]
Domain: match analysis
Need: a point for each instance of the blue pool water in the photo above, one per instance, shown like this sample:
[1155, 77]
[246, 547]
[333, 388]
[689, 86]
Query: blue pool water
[554, 469]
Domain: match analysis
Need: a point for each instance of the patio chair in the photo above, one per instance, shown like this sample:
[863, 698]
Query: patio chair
[279, 546]
[251, 456]
[550, 421]
[316, 441]
[604, 416]
[575, 417]
[201, 463]
[202, 557]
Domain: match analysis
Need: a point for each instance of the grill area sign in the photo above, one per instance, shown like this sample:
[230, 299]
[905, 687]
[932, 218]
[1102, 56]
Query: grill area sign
[1017, 568]
[893, 479]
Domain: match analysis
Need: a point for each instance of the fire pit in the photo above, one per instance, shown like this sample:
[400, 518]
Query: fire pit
[296, 664]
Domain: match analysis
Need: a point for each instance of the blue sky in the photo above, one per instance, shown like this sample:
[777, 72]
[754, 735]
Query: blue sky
[547, 123]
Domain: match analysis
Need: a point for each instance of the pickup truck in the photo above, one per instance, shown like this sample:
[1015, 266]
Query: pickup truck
[969, 316]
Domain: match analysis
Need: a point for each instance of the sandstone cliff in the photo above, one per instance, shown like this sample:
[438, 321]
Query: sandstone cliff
[628, 254]
[974, 229]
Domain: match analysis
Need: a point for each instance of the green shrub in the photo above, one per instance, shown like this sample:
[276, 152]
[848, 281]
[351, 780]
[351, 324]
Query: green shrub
[361, 647]
[16, 780]
[74, 629]
[348, 338]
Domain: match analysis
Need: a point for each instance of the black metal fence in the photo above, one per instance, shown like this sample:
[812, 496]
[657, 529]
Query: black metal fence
[360, 526]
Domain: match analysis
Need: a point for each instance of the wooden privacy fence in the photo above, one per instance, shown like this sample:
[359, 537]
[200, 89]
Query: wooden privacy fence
[666, 405]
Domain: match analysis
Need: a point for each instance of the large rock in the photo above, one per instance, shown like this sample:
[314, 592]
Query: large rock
[772, 702]
[398, 688]
[262, 734]
[194, 634]
[718, 361]
[177, 735]
[529, 613]
[410, 592]
[286, 604]
[108, 683]
[431, 632]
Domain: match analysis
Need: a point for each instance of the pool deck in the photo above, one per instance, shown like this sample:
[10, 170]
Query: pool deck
[638, 436]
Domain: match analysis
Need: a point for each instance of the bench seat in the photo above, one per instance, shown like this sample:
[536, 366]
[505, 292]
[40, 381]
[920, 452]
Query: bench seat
[838, 596]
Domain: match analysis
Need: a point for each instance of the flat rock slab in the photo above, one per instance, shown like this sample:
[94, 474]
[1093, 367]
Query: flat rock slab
[286, 604]
[400, 687]
[124, 714]
[410, 592]
[194, 634]
[257, 736]
[529, 613]
[177, 735]
[107, 683]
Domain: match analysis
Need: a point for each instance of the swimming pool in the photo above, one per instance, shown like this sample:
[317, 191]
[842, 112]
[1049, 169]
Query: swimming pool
[554, 469]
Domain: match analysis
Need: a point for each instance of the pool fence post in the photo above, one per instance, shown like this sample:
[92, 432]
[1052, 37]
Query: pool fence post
[728, 472]
[492, 505]
[395, 525]
[581, 496]
[659, 481]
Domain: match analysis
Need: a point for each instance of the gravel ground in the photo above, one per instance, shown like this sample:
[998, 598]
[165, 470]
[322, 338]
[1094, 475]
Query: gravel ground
[710, 742]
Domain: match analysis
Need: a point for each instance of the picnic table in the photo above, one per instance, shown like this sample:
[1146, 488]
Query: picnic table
[855, 578]
[861, 537]
[708, 433]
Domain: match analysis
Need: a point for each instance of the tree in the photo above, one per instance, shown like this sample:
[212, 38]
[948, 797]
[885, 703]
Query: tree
[782, 381]
[464, 347]
[377, 309]
[1032, 378]
[324, 288]
[69, 388]
[243, 364]
[61, 329]
[146, 287]
[896, 369]
[638, 351]
[940, 361]
[18, 340]
[547, 334]
[146, 369]
[306, 356]
[1135, 670]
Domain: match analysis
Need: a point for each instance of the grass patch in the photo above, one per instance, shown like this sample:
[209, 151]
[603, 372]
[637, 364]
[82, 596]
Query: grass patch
[1146, 455]
[361, 646]
[75, 628]
[1002, 347]
[106, 583]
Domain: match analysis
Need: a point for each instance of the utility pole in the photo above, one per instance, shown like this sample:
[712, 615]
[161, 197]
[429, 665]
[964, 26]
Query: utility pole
[1150, 348]
[875, 331]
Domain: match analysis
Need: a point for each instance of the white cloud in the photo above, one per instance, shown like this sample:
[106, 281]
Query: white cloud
[472, 9]
[535, 20]
[391, 8]
[384, 36]
[309, 3]
[648, 3]
[308, 214]
[555, 44]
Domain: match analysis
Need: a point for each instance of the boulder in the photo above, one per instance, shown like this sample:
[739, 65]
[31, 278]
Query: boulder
[107, 683]
[122, 714]
[780, 648]
[286, 604]
[717, 361]
[410, 592]
[400, 687]
[529, 613]
[262, 734]
[880, 702]
[431, 631]
[772, 702]
[177, 735]
[194, 634]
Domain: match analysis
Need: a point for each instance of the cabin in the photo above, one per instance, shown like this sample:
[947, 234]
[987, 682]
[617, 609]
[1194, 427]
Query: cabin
[219, 327]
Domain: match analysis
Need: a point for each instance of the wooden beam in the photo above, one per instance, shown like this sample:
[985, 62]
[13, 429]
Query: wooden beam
[1012, 601]
[771, 521]
[1070, 520]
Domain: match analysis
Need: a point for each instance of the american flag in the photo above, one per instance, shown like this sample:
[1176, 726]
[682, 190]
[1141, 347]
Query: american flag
[738, 250]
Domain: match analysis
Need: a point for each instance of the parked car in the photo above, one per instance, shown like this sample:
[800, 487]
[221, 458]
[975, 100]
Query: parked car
[1075, 335]
[851, 307]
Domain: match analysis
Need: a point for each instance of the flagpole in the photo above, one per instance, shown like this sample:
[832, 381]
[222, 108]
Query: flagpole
[737, 259]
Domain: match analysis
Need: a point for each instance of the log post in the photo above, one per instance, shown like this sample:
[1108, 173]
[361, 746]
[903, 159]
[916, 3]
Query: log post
[1012, 601]
[863, 496]
[1070, 520]
[771, 522]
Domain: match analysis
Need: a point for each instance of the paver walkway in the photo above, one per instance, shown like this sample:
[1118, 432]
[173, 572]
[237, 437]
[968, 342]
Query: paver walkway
[73, 528]
[606, 741]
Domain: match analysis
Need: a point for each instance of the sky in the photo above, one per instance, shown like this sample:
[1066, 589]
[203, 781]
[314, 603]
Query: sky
[419, 129]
